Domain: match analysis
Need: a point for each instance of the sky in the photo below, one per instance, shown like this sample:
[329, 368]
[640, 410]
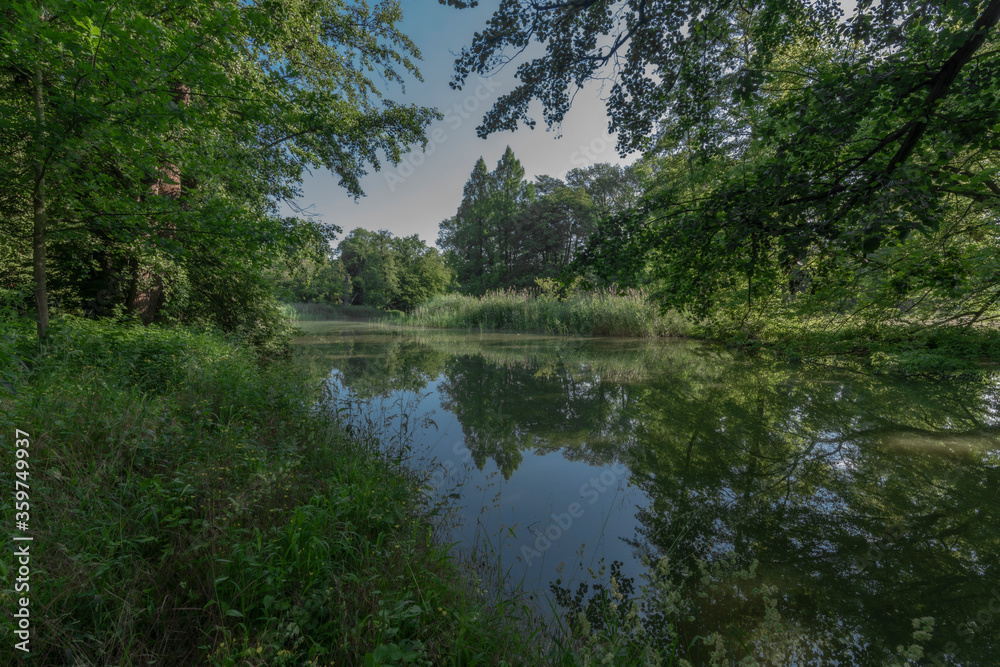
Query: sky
[426, 188]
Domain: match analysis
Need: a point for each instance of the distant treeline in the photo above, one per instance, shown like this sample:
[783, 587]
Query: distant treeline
[375, 269]
[509, 232]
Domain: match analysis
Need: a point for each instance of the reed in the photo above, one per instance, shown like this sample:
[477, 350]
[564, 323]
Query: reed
[602, 312]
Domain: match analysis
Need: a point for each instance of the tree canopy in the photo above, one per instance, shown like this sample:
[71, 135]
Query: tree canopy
[509, 232]
[390, 272]
[142, 141]
[797, 144]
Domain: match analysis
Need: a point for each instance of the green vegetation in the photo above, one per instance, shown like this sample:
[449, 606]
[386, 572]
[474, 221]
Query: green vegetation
[389, 272]
[374, 270]
[819, 184]
[309, 312]
[797, 164]
[595, 313]
[193, 507]
[122, 127]
[509, 232]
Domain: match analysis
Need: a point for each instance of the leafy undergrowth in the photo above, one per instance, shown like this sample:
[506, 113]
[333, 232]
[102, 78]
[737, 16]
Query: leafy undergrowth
[191, 506]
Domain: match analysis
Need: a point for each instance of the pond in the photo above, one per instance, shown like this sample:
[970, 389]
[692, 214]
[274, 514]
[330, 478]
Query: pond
[809, 515]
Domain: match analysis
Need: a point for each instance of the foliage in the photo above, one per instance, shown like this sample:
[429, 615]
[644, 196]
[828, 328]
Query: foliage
[305, 271]
[227, 519]
[389, 272]
[480, 240]
[238, 302]
[595, 313]
[137, 115]
[509, 233]
[800, 149]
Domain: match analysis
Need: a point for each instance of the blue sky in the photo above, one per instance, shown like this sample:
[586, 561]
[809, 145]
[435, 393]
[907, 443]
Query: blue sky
[427, 187]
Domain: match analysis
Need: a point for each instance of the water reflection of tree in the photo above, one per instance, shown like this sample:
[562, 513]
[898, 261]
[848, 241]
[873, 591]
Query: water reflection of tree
[376, 367]
[505, 408]
[816, 477]
[866, 502]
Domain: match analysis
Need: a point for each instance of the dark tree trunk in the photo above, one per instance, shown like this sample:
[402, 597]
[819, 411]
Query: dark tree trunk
[145, 300]
[40, 218]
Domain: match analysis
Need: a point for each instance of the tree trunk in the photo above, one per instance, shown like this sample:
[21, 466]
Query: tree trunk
[146, 300]
[40, 220]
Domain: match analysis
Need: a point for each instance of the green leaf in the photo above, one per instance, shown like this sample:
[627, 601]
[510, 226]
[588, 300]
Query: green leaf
[871, 244]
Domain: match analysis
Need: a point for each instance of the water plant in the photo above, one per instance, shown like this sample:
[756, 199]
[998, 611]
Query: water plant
[601, 312]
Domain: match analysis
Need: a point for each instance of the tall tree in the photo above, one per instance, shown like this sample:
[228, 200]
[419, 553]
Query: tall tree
[508, 232]
[275, 86]
[832, 136]
[509, 197]
[466, 236]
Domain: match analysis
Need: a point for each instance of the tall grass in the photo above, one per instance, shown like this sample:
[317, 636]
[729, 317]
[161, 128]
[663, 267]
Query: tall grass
[192, 507]
[597, 313]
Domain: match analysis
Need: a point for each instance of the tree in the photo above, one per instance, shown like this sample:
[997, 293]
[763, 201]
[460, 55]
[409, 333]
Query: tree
[481, 241]
[89, 104]
[552, 229]
[389, 272]
[422, 272]
[829, 137]
[465, 236]
[508, 232]
[510, 194]
[370, 264]
[305, 269]
[613, 189]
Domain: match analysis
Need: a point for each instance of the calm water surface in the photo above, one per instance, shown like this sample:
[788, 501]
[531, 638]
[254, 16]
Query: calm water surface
[865, 503]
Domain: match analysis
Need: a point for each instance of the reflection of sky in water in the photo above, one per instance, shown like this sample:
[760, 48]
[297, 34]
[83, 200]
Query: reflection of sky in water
[594, 506]
[868, 503]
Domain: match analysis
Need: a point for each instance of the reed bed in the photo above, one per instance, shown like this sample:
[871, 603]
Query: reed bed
[602, 312]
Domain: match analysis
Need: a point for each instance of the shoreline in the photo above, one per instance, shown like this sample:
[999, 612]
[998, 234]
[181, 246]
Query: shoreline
[227, 521]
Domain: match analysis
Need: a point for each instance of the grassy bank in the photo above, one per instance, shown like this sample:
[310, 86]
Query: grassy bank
[596, 313]
[191, 506]
[880, 347]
